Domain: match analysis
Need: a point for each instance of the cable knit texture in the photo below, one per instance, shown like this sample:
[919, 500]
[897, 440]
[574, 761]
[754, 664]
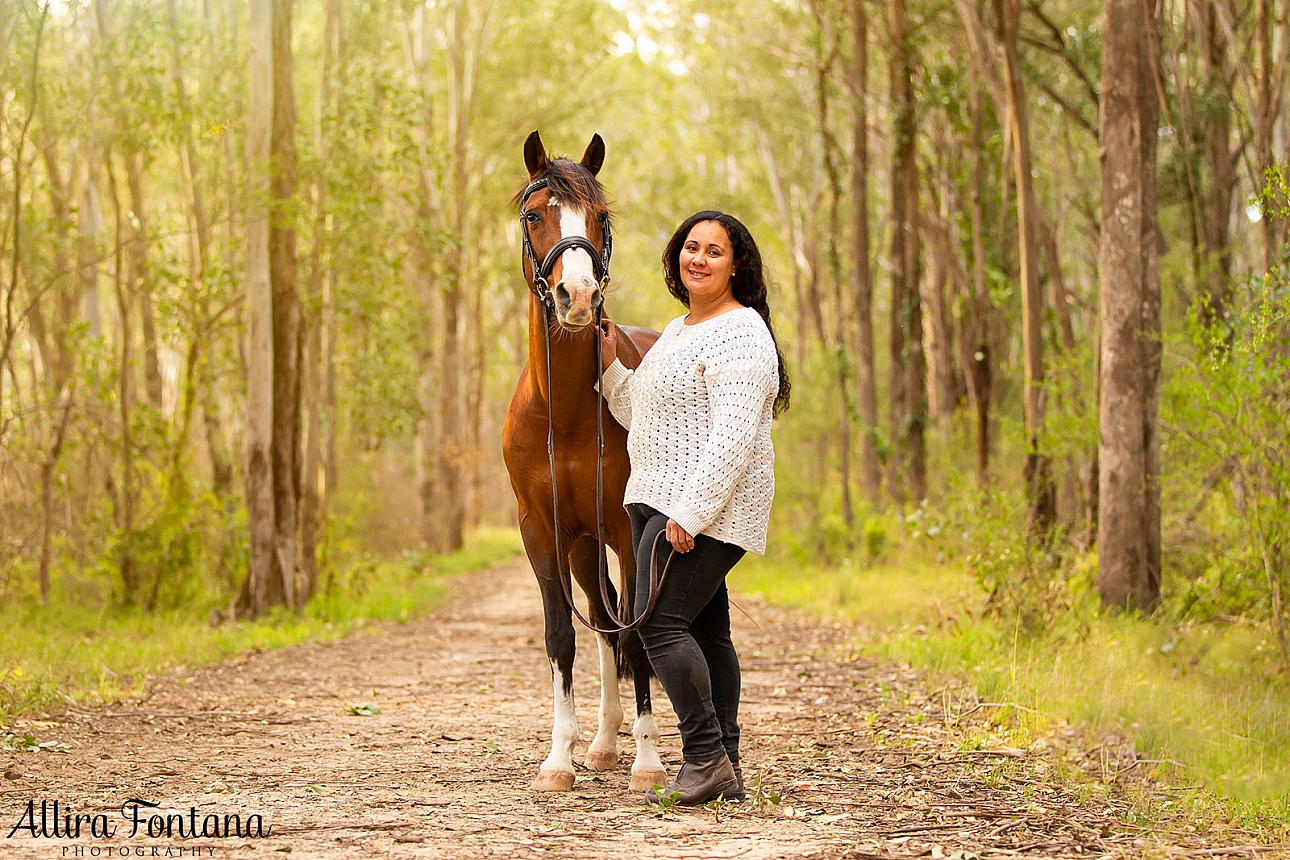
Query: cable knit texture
[698, 416]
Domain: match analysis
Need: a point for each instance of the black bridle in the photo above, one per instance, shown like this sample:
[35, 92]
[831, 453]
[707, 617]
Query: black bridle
[600, 263]
[599, 256]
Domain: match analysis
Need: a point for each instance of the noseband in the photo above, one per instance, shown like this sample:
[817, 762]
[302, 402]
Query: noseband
[599, 256]
[600, 264]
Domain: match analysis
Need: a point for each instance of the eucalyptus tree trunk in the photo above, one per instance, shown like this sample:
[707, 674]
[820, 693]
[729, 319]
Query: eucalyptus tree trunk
[139, 281]
[52, 424]
[259, 301]
[450, 507]
[197, 377]
[1217, 191]
[825, 58]
[862, 281]
[1129, 449]
[1038, 470]
[311, 366]
[985, 82]
[418, 42]
[286, 305]
[89, 215]
[125, 391]
[908, 369]
[939, 323]
[464, 49]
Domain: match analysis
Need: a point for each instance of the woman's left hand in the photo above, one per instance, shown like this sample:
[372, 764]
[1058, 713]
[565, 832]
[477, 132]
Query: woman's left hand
[680, 539]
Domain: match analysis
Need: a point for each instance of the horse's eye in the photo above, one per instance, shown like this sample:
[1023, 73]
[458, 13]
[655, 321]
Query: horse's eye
[532, 217]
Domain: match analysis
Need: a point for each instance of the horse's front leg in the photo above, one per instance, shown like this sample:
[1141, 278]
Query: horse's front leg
[556, 772]
[603, 752]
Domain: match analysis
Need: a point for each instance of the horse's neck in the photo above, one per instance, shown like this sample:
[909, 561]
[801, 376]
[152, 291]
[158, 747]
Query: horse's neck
[573, 365]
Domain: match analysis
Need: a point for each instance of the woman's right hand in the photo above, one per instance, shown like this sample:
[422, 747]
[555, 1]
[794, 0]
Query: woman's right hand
[608, 342]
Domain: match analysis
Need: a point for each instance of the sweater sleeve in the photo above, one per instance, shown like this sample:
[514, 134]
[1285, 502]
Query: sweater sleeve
[737, 393]
[617, 381]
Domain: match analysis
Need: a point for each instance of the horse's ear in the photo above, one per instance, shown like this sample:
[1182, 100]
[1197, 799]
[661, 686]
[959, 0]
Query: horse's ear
[594, 157]
[535, 155]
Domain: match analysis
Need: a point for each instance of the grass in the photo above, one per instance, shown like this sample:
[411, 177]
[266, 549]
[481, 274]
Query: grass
[1206, 701]
[70, 652]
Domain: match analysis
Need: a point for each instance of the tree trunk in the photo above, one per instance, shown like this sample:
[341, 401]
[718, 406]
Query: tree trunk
[452, 436]
[188, 148]
[429, 221]
[259, 301]
[908, 368]
[311, 367]
[1040, 490]
[979, 341]
[138, 280]
[1129, 449]
[1217, 193]
[939, 319]
[125, 390]
[475, 377]
[823, 70]
[286, 304]
[862, 283]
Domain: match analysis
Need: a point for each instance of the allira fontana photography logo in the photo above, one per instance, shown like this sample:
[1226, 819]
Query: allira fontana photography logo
[137, 819]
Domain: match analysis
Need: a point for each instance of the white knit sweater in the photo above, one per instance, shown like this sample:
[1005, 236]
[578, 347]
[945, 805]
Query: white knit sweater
[698, 416]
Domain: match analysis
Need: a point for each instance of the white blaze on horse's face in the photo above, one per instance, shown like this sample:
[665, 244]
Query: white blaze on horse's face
[576, 290]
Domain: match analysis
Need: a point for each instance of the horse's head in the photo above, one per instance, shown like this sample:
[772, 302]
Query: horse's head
[564, 220]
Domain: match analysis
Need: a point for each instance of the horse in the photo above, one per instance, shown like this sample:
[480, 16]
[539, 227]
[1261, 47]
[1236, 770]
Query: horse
[563, 209]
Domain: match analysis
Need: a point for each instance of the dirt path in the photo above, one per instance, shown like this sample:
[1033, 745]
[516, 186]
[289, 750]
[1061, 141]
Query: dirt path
[855, 761]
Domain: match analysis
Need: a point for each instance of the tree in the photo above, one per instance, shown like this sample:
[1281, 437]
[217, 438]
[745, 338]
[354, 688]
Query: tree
[286, 308]
[862, 282]
[1038, 466]
[1129, 443]
[908, 388]
[259, 300]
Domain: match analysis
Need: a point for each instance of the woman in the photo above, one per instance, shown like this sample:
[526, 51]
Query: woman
[698, 412]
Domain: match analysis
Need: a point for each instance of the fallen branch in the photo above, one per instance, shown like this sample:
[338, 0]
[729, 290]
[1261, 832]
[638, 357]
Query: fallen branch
[1004, 753]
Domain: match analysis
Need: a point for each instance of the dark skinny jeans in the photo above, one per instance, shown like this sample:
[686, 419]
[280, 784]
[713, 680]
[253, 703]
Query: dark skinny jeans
[687, 636]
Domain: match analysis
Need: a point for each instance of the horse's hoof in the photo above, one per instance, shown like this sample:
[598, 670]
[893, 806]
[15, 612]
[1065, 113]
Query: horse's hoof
[553, 780]
[644, 780]
[601, 760]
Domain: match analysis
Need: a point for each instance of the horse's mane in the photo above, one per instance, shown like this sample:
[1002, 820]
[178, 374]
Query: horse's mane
[570, 182]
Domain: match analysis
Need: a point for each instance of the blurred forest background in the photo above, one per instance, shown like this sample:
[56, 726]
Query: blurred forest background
[994, 227]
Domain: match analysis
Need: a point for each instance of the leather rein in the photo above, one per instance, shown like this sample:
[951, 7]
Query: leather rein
[541, 271]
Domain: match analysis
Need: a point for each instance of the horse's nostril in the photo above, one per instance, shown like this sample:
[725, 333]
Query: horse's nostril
[597, 299]
[562, 296]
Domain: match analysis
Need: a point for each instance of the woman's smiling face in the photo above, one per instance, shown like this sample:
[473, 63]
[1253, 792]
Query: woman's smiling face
[707, 262]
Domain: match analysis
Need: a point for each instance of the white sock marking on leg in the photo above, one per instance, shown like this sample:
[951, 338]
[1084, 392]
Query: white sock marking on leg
[645, 731]
[564, 729]
[611, 709]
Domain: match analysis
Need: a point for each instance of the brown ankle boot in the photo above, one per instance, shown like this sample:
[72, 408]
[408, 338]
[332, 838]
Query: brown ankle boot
[698, 782]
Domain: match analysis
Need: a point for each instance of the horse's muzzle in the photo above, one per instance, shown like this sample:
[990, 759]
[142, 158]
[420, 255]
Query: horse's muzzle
[576, 309]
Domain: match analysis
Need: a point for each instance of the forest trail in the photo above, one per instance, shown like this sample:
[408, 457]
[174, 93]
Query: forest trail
[861, 759]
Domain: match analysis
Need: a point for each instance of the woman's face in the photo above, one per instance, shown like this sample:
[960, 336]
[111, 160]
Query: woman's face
[707, 262]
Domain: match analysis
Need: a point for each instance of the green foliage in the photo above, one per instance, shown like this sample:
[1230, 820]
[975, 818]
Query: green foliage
[1225, 408]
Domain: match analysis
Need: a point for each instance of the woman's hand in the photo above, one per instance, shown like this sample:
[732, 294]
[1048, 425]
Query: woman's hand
[680, 539]
[608, 342]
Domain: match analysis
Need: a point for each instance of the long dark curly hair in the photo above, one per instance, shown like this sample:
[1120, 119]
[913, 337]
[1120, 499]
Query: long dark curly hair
[747, 283]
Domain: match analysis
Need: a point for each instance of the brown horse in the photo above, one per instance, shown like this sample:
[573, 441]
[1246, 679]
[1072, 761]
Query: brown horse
[564, 205]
